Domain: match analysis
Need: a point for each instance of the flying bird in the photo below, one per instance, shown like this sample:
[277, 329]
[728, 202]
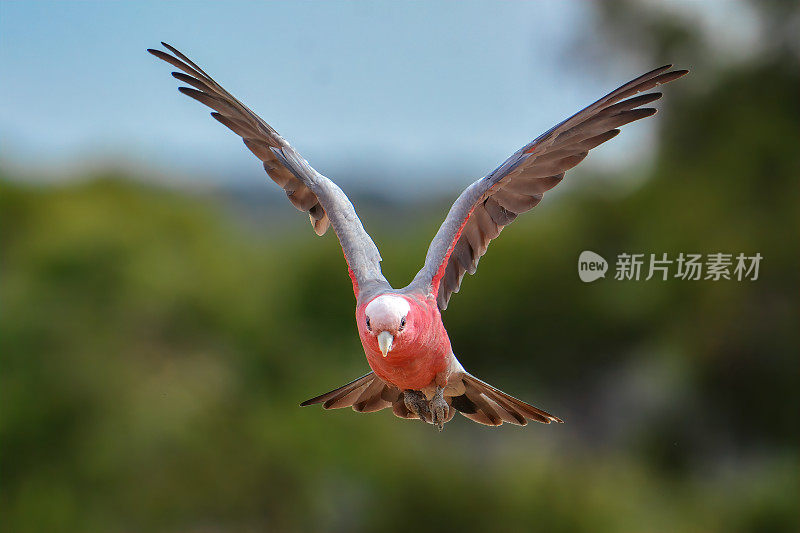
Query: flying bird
[414, 369]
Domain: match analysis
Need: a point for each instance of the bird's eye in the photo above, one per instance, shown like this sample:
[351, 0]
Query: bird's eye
[402, 322]
[368, 326]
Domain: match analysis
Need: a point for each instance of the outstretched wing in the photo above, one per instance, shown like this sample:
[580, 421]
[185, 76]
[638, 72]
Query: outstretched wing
[516, 186]
[307, 189]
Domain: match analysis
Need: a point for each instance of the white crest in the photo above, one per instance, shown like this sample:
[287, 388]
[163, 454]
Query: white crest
[387, 308]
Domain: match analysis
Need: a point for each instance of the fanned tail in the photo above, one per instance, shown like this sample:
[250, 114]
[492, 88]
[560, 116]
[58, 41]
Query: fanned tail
[480, 402]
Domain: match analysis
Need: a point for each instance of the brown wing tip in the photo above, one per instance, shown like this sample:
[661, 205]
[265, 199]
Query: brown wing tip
[310, 401]
[171, 48]
[678, 72]
[672, 76]
[158, 53]
[163, 56]
[197, 95]
[544, 418]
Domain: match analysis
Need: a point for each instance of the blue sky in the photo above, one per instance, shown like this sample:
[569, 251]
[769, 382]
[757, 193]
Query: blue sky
[399, 89]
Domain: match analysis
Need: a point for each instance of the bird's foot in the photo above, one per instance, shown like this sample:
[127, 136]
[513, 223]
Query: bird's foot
[417, 403]
[438, 408]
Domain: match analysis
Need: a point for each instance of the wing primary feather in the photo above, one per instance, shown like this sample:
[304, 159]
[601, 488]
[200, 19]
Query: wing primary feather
[177, 63]
[325, 203]
[631, 103]
[194, 82]
[185, 59]
[516, 185]
[236, 126]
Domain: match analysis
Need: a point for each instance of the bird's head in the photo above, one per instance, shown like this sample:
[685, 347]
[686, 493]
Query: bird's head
[389, 319]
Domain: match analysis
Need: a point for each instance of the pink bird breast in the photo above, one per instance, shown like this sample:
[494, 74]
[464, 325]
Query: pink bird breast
[420, 349]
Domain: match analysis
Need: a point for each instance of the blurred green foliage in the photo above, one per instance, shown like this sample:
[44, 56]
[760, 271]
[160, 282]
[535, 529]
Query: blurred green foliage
[154, 350]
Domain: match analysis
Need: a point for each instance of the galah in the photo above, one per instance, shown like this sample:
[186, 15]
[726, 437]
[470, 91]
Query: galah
[414, 368]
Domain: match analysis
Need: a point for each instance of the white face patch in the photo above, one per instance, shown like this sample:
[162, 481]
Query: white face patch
[387, 310]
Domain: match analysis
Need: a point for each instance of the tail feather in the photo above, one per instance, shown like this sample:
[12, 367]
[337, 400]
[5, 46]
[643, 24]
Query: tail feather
[390, 394]
[344, 400]
[370, 399]
[401, 411]
[480, 401]
[497, 410]
[365, 395]
[340, 392]
[488, 405]
[485, 412]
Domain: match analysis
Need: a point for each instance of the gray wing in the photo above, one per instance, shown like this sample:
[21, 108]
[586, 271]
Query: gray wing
[307, 189]
[491, 203]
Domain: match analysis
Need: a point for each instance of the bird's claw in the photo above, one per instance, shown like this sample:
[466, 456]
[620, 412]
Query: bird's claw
[438, 408]
[433, 412]
[417, 403]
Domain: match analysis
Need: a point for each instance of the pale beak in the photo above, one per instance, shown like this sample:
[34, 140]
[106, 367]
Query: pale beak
[385, 342]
